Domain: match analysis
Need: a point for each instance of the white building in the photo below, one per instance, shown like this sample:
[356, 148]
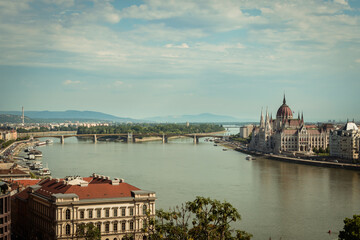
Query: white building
[246, 130]
[344, 143]
[54, 208]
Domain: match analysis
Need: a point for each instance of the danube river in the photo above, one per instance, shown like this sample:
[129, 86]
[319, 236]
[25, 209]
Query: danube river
[275, 199]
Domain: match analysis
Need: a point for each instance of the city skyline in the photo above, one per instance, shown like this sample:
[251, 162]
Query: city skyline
[142, 59]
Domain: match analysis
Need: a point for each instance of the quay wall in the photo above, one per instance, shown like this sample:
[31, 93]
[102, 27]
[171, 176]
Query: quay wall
[348, 166]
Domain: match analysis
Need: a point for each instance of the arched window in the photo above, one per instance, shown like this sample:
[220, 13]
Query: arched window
[107, 227]
[67, 229]
[99, 226]
[67, 214]
[144, 209]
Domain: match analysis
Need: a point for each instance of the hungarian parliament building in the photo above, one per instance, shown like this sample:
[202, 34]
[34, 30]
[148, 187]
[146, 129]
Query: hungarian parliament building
[288, 134]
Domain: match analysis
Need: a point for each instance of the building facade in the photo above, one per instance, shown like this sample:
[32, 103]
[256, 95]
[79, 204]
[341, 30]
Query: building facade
[5, 212]
[7, 135]
[56, 207]
[246, 130]
[344, 143]
[288, 134]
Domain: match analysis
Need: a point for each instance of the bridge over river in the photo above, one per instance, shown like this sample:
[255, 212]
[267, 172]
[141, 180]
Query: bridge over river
[130, 137]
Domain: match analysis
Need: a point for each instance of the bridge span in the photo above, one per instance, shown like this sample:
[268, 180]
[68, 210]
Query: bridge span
[130, 137]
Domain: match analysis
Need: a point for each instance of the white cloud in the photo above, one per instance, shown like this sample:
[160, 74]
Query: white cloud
[357, 60]
[118, 83]
[183, 45]
[344, 2]
[64, 3]
[70, 82]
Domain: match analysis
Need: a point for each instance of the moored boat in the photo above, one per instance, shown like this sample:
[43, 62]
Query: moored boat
[248, 157]
[40, 143]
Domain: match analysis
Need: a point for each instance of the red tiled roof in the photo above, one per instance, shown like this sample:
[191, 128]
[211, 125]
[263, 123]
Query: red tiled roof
[290, 131]
[97, 188]
[313, 131]
[12, 171]
[26, 182]
[24, 194]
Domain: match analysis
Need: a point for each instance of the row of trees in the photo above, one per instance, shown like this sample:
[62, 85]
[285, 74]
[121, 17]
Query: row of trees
[44, 129]
[152, 128]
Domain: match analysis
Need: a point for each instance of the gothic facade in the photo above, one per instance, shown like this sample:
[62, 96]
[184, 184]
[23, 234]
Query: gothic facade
[288, 134]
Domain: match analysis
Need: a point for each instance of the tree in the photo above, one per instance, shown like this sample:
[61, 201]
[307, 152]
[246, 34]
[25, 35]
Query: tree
[210, 220]
[88, 231]
[351, 229]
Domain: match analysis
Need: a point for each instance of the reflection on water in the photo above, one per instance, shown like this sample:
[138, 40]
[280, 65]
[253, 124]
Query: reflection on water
[275, 199]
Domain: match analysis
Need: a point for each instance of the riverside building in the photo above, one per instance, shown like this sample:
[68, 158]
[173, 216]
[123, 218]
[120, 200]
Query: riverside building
[288, 134]
[54, 208]
[344, 143]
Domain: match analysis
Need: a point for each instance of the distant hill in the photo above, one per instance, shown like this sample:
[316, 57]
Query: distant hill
[9, 118]
[203, 117]
[70, 115]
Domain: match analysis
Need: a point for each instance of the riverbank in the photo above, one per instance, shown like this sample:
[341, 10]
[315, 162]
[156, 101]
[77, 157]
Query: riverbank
[298, 160]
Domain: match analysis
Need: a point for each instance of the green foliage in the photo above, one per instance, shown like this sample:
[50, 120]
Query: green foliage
[7, 143]
[88, 231]
[210, 220]
[321, 151]
[351, 229]
[151, 128]
[237, 138]
[44, 129]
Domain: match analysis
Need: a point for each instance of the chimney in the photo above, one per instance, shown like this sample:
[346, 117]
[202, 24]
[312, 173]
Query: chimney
[115, 181]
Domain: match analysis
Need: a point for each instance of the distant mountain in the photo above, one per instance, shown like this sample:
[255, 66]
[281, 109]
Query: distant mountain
[70, 115]
[203, 117]
[9, 118]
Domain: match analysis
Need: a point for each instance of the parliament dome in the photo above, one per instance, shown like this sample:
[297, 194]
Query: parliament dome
[284, 111]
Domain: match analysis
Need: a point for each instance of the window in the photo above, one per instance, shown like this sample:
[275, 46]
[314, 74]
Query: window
[98, 213]
[107, 227]
[115, 227]
[67, 229]
[123, 226]
[122, 211]
[90, 214]
[131, 211]
[82, 215]
[67, 214]
[107, 213]
[98, 225]
[115, 212]
[144, 209]
[131, 225]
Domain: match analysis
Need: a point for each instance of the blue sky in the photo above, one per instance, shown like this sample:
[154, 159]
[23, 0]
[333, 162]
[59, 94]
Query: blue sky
[165, 57]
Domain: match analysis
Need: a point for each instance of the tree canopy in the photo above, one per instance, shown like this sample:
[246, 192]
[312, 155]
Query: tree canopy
[152, 128]
[210, 220]
[88, 231]
[351, 229]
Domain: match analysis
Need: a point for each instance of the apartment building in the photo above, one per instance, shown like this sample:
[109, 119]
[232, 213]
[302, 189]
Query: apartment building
[54, 208]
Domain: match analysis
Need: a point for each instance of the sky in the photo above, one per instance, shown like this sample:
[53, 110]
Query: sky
[150, 58]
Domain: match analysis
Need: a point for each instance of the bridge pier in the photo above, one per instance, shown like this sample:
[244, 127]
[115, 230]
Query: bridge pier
[130, 138]
[62, 139]
[196, 139]
[164, 138]
[95, 138]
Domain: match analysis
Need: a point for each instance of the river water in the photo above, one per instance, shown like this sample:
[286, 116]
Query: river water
[275, 199]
